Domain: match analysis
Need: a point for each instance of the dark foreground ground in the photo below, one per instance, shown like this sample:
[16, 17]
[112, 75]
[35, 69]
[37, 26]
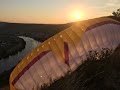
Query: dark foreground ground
[94, 74]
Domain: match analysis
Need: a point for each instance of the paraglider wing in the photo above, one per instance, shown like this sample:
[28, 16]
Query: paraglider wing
[64, 52]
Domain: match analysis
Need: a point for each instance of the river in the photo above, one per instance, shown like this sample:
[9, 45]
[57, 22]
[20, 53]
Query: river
[8, 63]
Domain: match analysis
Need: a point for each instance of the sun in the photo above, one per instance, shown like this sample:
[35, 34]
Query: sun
[76, 16]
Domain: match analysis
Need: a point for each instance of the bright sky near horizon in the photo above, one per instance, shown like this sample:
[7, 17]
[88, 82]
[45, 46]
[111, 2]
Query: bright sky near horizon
[54, 11]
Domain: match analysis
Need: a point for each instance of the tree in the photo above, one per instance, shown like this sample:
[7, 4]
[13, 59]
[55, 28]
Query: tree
[116, 13]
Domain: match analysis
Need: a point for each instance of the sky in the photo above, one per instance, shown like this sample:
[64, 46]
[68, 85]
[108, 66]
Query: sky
[54, 11]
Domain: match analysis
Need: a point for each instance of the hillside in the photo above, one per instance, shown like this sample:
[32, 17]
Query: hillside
[39, 32]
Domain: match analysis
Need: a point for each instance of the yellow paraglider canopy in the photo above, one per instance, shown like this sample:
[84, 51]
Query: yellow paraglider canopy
[63, 52]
